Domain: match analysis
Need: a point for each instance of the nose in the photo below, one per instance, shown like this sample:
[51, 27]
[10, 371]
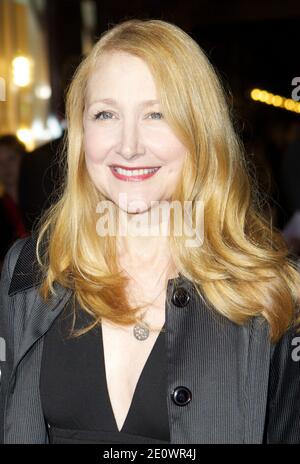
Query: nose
[130, 146]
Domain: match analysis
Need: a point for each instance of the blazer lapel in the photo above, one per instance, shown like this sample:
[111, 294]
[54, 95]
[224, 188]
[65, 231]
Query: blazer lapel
[40, 319]
[27, 276]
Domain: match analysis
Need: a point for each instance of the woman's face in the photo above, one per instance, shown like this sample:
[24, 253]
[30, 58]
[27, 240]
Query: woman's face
[128, 132]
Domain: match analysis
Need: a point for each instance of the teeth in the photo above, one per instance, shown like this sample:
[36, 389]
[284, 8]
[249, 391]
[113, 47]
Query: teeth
[134, 172]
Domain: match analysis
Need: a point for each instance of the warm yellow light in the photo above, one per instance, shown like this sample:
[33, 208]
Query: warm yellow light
[289, 104]
[25, 135]
[277, 100]
[264, 96]
[255, 94]
[269, 98]
[43, 91]
[21, 71]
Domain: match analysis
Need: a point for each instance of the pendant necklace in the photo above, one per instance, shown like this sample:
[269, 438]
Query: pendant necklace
[141, 330]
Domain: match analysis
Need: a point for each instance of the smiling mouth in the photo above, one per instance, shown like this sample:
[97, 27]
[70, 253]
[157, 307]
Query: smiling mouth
[133, 175]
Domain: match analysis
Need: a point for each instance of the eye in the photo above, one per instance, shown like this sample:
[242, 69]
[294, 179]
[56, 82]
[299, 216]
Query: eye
[160, 114]
[97, 115]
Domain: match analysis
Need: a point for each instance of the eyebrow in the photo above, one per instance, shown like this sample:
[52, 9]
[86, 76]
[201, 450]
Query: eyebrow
[111, 101]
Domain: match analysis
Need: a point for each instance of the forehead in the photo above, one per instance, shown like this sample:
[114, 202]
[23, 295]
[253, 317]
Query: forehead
[117, 73]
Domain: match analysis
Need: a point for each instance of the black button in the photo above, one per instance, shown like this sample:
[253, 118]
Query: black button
[181, 396]
[180, 297]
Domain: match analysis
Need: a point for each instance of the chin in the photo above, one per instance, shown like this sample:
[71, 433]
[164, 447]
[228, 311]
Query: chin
[133, 210]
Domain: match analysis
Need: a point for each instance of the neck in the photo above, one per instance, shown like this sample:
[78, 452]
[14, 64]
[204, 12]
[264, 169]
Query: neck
[144, 239]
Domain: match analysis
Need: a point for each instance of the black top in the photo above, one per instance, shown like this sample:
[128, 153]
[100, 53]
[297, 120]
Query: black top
[74, 393]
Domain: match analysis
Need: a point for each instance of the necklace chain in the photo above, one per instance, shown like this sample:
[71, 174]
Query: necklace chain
[141, 330]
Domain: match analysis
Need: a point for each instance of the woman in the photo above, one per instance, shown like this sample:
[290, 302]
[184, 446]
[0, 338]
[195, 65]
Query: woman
[147, 336]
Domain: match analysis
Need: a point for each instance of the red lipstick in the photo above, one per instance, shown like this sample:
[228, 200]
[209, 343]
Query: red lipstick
[133, 177]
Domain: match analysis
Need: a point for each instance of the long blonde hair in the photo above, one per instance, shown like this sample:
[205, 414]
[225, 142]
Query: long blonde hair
[243, 267]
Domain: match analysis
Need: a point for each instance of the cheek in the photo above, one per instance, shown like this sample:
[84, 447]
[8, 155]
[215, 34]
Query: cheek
[175, 159]
[172, 151]
[93, 149]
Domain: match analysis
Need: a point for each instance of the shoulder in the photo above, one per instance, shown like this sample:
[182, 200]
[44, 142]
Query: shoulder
[11, 258]
[283, 411]
[6, 307]
[20, 266]
[287, 349]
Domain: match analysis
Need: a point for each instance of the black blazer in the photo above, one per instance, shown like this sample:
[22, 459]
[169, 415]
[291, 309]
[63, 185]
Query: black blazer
[226, 383]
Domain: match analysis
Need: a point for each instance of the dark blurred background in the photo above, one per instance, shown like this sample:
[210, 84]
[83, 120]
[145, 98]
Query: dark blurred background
[252, 44]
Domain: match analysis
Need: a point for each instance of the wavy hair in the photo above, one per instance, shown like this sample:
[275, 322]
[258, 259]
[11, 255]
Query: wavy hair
[243, 268]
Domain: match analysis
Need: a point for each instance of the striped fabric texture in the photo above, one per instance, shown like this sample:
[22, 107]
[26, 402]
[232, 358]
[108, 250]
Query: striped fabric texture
[243, 388]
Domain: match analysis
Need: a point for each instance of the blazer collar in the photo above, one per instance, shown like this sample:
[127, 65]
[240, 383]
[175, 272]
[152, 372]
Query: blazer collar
[27, 272]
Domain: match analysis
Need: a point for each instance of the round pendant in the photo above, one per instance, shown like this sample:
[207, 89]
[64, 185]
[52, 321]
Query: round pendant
[141, 332]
